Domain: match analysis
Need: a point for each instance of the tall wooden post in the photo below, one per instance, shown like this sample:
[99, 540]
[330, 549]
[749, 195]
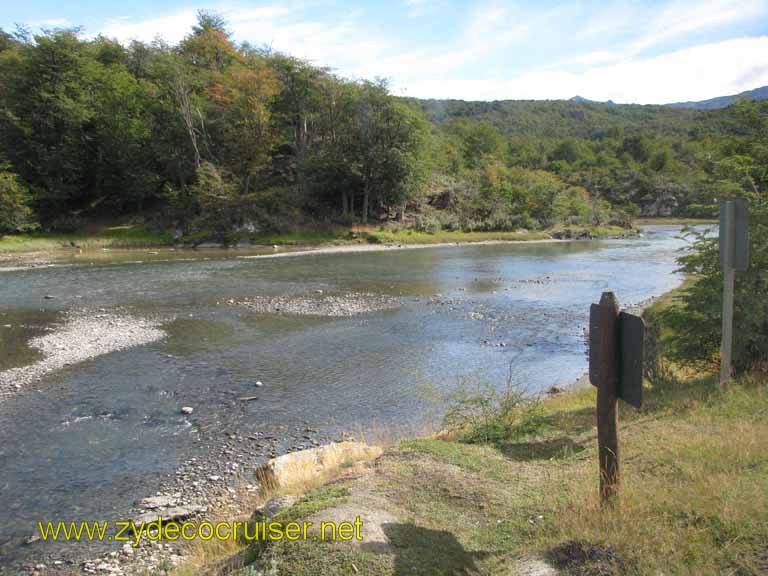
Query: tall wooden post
[607, 398]
[727, 248]
[726, 346]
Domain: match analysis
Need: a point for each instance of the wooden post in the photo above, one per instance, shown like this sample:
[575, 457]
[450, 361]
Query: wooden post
[607, 399]
[727, 223]
[726, 346]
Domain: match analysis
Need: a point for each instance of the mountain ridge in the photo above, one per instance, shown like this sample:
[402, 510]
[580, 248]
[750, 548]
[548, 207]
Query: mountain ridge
[760, 93]
[715, 103]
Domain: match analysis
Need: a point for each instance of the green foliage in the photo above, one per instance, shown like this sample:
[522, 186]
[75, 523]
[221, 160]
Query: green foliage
[696, 321]
[15, 212]
[216, 201]
[481, 413]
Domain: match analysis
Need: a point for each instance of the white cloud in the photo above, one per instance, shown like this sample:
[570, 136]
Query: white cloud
[694, 73]
[171, 27]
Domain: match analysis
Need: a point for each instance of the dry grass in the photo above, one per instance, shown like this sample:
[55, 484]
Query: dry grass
[694, 496]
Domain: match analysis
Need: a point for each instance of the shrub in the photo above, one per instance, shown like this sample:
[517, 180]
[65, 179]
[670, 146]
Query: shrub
[428, 224]
[481, 413]
[696, 321]
[15, 213]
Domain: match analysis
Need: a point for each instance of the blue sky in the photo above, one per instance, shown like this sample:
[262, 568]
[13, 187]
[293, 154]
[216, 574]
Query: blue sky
[645, 52]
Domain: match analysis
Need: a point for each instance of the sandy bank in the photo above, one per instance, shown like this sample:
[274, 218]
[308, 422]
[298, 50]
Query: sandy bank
[360, 248]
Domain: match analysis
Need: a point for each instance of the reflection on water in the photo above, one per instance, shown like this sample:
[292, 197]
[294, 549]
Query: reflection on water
[98, 435]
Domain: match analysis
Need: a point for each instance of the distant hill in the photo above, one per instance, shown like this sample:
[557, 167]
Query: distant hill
[566, 118]
[580, 117]
[723, 101]
[587, 101]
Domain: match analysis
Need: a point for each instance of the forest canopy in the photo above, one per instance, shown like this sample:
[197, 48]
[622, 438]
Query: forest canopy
[213, 138]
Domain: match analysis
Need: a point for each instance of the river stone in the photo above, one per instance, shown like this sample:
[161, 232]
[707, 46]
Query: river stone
[298, 467]
[187, 409]
[155, 502]
[171, 514]
[275, 505]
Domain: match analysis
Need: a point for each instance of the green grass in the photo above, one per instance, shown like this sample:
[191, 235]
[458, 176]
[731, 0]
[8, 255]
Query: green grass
[670, 221]
[113, 237]
[694, 497]
[138, 237]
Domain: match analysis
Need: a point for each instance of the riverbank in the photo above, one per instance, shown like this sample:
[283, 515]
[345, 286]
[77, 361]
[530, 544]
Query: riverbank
[38, 250]
[695, 475]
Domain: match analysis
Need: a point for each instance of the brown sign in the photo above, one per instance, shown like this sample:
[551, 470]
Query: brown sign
[631, 335]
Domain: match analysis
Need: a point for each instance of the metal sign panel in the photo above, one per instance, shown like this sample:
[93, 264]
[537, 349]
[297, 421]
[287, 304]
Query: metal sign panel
[594, 344]
[632, 332]
[734, 234]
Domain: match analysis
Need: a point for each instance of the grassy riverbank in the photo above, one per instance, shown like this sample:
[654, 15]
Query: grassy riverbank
[109, 237]
[694, 494]
[670, 221]
[127, 237]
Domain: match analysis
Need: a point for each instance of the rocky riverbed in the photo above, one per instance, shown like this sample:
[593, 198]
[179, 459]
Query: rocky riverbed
[218, 485]
[320, 304]
[84, 334]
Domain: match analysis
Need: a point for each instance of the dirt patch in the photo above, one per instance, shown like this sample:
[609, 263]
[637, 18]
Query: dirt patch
[373, 514]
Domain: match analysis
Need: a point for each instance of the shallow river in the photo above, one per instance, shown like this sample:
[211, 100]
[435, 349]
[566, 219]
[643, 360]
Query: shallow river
[87, 441]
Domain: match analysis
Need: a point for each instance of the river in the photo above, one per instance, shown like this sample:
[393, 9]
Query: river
[88, 440]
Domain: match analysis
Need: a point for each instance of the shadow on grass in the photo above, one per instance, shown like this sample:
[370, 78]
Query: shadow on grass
[422, 551]
[551, 448]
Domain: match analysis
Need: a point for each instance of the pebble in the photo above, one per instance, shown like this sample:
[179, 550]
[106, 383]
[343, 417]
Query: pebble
[187, 410]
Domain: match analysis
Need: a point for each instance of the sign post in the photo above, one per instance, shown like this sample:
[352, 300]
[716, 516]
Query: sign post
[734, 255]
[616, 368]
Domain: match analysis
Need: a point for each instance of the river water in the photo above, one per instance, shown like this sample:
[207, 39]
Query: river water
[86, 441]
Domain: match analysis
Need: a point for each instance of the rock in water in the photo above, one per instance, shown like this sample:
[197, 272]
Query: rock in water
[259, 384]
[187, 410]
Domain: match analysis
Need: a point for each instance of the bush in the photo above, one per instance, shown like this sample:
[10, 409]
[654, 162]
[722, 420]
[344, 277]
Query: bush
[480, 413]
[428, 224]
[696, 321]
[15, 213]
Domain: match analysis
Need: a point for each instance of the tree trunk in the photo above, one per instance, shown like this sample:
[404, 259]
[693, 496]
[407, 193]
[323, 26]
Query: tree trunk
[247, 184]
[365, 206]
[181, 91]
[344, 203]
[402, 213]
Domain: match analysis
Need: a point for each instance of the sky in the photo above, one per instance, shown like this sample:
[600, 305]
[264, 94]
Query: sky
[648, 52]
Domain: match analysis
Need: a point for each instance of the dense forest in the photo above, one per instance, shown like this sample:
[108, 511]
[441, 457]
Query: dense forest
[213, 140]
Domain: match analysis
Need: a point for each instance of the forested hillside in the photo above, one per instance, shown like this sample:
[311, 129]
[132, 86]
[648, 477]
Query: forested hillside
[216, 140]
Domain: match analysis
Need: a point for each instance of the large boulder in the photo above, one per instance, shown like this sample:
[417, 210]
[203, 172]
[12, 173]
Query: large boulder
[306, 466]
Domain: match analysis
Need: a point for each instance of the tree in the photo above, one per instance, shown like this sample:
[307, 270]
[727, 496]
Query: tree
[390, 148]
[216, 199]
[240, 105]
[209, 46]
[15, 212]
